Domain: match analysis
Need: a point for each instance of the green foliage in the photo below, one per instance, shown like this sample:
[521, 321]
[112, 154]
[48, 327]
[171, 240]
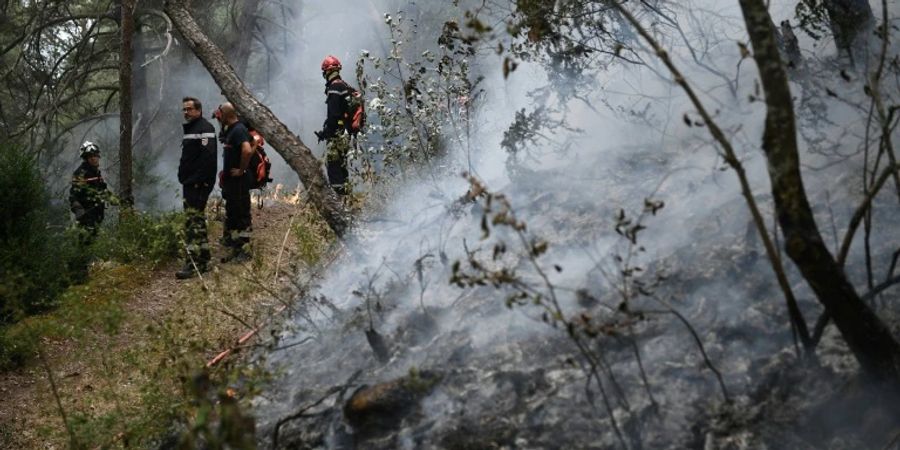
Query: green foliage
[813, 18]
[164, 395]
[218, 422]
[91, 307]
[17, 345]
[141, 237]
[528, 130]
[50, 67]
[35, 259]
[23, 192]
[313, 236]
[420, 382]
[39, 262]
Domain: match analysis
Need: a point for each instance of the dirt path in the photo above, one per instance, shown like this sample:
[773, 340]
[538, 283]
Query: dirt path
[113, 385]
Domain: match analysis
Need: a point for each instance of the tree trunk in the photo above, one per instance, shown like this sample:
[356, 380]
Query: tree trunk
[126, 28]
[851, 22]
[142, 106]
[240, 54]
[867, 336]
[288, 145]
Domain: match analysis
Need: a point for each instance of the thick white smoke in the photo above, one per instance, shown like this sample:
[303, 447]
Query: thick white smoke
[633, 144]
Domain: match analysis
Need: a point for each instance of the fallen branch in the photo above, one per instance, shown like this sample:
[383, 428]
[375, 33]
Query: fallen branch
[825, 318]
[253, 331]
[73, 442]
[340, 390]
[287, 233]
[243, 339]
[893, 444]
[671, 310]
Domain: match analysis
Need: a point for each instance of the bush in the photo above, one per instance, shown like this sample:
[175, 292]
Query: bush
[39, 262]
[17, 345]
[34, 258]
[313, 236]
[141, 237]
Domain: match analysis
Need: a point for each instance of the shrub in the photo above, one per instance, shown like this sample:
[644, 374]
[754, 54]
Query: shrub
[313, 236]
[17, 345]
[39, 261]
[34, 257]
[422, 103]
[141, 237]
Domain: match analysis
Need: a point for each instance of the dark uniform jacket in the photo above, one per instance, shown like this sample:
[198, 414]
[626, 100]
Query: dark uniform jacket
[88, 192]
[337, 93]
[198, 153]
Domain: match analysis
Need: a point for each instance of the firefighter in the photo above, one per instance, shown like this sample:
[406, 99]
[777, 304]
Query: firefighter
[197, 175]
[88, 194]
[334, 130]
[236, 183]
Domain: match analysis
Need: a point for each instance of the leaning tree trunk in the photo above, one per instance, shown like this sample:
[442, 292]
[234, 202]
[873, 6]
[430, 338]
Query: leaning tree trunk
[867, 336]
[126, 28]
[288, 145]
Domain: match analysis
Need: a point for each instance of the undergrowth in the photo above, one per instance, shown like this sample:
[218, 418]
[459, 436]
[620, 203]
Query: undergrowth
[129, 362]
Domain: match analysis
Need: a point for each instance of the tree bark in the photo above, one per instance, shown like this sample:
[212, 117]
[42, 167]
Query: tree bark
[790, 46]
[142, 106]
[246, 23]
[126, 28]
[851, 21]
[288, 145]
[867, 336]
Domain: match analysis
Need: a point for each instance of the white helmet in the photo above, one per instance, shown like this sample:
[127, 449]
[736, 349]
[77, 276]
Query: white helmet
[89, 148]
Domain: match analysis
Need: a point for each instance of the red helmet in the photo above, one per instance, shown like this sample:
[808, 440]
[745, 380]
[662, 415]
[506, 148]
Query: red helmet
[331, 63]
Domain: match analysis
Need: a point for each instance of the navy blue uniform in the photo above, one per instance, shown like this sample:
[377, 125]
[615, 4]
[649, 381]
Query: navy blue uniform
[236, 190]
[197, 175]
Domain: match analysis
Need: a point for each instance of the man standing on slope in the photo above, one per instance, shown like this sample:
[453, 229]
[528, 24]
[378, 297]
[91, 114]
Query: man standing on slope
[337, 93]
[236, 183]
[197, 175]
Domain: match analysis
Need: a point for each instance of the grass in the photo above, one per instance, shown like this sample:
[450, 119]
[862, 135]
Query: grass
[128, 348]
[313, 236]
[84, 309]
[87, 315]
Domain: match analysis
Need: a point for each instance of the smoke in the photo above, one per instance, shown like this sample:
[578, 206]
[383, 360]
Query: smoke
[632, 144]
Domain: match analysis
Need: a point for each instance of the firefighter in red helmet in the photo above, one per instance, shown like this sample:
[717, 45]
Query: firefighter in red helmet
[337, 96]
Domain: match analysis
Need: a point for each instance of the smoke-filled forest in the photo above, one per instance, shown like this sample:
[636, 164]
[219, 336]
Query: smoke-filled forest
[466, 224]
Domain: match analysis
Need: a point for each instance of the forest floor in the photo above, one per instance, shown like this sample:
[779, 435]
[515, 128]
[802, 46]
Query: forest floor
[122, 347]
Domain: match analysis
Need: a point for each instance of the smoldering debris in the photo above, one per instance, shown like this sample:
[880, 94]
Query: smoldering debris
[509, 379]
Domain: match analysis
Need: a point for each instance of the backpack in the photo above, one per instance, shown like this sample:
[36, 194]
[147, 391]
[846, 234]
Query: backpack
[355, 118]
[260, 166]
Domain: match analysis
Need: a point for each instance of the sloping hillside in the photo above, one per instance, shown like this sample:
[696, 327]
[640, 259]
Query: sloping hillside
[121, 346]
